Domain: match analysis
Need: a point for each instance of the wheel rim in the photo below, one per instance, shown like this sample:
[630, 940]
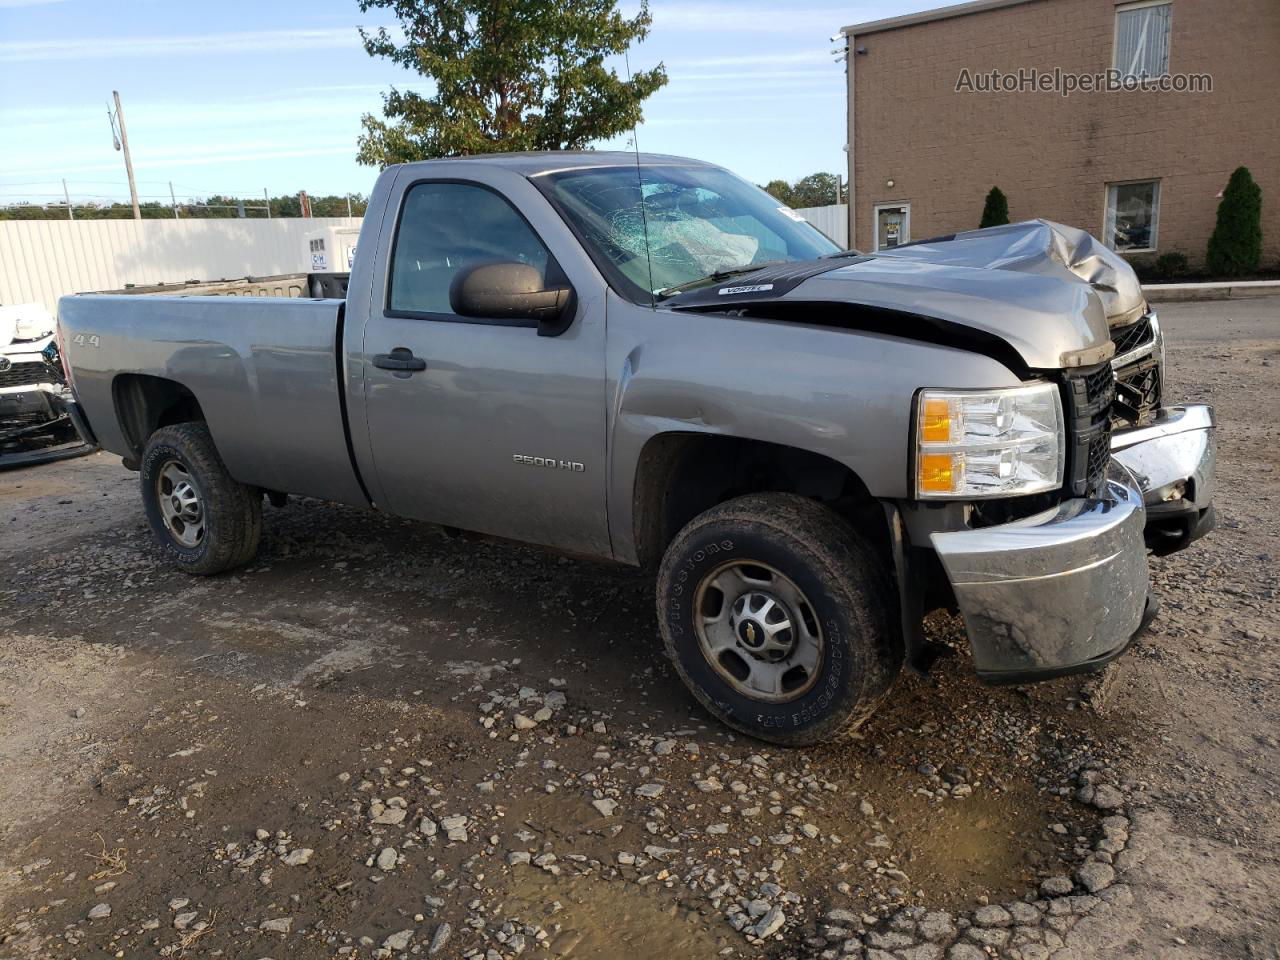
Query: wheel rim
[180, 503]
[759, 632]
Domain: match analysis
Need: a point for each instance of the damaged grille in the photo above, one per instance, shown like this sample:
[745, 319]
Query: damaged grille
[1130, 338]
[1088, 396]
[1137, 367]
[24, 375]
[1137, 393]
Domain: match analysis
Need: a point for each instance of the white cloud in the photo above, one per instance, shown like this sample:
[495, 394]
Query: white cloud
[816, 56]
[713, 94]
[186, 156]
[100, 48]
[737, 18]
[746, 79]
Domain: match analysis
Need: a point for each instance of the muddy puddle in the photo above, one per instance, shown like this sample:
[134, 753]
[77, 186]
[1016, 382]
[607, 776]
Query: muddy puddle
[588, 919]
[993, 846]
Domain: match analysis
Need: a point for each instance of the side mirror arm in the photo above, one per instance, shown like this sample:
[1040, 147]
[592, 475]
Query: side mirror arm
[559, 317]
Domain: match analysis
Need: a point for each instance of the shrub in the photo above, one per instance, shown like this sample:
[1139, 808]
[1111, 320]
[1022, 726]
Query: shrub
[996, 210]
[1144, 266]
[1171, 265]
[1236, 245]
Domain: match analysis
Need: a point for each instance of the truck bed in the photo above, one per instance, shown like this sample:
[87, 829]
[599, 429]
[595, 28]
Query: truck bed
[264, 370]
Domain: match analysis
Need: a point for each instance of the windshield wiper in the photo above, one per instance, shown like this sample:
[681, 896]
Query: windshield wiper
[716, 277]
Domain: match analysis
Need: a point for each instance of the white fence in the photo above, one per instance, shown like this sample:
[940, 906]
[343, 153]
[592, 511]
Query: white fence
[833, 220]
[41, 260]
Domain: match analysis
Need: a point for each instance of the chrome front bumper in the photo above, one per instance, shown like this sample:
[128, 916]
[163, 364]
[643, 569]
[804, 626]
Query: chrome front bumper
[1060, 592]
[1174, 461]
[1067, 590]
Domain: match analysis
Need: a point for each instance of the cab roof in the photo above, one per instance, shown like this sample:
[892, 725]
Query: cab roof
[537, 163]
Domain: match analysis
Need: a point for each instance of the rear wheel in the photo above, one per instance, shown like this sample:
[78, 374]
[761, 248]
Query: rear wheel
[778, 617]
[204, 520]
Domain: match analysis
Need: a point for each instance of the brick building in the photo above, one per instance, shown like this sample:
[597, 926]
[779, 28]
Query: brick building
[1141, 168]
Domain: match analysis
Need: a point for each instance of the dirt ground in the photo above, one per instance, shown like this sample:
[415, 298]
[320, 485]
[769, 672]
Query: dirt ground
[377, 741]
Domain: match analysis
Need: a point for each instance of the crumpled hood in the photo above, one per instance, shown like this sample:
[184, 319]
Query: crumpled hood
[1050, 322]
[1046, 248]
[1042, 288]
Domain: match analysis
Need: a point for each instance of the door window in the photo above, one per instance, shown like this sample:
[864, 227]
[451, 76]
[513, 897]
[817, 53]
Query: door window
[445, 228]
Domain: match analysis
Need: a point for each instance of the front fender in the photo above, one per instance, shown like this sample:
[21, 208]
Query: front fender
[841, 394]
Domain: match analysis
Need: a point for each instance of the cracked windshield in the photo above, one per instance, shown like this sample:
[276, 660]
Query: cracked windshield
[692, 222]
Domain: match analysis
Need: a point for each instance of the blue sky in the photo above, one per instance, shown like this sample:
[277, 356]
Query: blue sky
[236, 96]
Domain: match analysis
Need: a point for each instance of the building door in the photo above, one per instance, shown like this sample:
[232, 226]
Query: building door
[892, 225]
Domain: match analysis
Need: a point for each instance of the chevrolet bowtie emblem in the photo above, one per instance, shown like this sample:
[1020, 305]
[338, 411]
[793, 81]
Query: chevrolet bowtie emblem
[751, 633]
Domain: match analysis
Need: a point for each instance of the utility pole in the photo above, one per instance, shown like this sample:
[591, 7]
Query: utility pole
[348, 206]
[123, 144]
[267, 197]
[71, 214]
[173, 200]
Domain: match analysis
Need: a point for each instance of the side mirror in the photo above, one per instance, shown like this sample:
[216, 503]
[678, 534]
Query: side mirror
[511, 291]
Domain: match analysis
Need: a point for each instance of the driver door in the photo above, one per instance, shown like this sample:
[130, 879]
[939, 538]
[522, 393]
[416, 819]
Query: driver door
[500, 430]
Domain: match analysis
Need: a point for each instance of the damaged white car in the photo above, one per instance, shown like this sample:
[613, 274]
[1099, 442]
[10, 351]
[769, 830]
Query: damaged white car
[35, 425]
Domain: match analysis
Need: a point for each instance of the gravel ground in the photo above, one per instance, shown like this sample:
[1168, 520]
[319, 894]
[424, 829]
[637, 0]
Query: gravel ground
[381, 742]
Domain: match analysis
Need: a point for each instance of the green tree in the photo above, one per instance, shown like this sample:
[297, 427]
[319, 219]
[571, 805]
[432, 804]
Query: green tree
[1235, 248]
[781, 191]
[995, 212]
[216, 207]
[507, 75]
[817, 190]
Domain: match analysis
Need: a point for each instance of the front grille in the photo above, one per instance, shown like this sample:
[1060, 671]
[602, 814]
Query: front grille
[1088, 396]
[25, 374]
[1133, 336]
[1138, 390]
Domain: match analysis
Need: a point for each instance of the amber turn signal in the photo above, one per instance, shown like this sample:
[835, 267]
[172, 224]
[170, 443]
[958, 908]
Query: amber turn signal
[940, 472]
[935, 420]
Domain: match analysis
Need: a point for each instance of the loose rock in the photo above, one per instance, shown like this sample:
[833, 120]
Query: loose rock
[1095, 876]
[439, 939]
[398, 941]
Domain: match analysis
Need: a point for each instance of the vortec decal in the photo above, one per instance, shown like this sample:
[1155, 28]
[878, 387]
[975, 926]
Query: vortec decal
[751, 288]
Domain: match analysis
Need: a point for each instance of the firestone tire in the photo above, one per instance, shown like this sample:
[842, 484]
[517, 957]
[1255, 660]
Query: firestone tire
[223, 518]
[809, 557]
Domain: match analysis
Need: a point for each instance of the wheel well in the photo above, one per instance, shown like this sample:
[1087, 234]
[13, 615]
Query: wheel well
[144, 404]
[680, 475]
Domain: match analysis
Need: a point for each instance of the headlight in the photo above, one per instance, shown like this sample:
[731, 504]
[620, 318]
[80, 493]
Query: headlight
[989, 443]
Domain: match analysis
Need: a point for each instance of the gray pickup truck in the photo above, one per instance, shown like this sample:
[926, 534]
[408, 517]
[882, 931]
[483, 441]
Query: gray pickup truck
[647, 360]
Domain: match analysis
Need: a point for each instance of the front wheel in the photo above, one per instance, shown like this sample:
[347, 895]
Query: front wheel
[206, 521]
[778, 617]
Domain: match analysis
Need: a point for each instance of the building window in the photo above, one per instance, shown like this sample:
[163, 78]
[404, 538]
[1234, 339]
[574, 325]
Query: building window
[1142, 39]
[1133, 214]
